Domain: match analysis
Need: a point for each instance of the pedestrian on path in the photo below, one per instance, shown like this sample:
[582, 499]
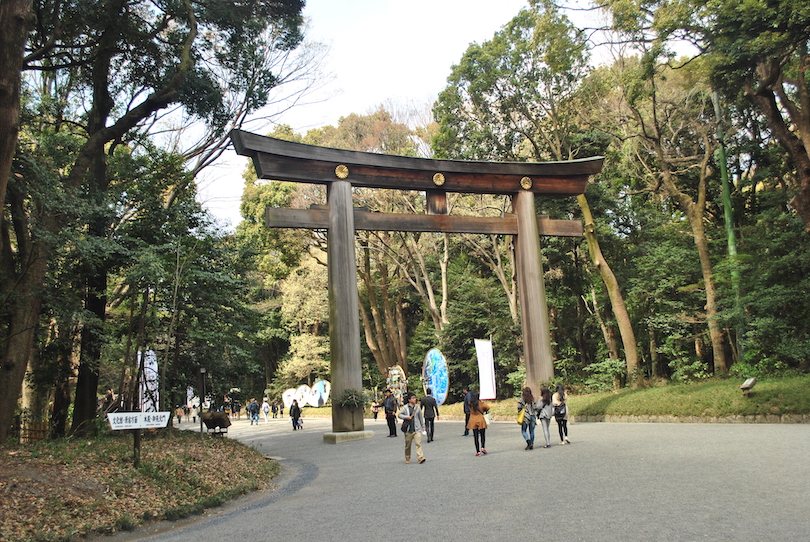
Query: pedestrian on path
[430, 410]
[558, 401]
[390, 405]
[528, 406]
[413, 424]
[545, 412]
[253, 411]
[265, 410]
[478, 424]
[467, 399]
[295, 414]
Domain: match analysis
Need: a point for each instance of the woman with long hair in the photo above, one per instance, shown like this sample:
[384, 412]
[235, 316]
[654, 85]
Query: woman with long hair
[478, 424]
[528, 405]
[557, 400]
[545, 412]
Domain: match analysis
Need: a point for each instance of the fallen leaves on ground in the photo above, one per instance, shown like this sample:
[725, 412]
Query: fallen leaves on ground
[55, 491]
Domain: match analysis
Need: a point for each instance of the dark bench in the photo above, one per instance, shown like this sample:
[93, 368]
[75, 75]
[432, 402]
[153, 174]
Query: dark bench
[216, 423]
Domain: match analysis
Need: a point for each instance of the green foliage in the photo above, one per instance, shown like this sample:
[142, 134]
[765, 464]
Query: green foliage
[351, 399]
[604, 375]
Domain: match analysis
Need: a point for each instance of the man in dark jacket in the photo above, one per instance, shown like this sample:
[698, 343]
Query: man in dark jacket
[467, 401]
[253, 411]
[391, 406]
[430, 410]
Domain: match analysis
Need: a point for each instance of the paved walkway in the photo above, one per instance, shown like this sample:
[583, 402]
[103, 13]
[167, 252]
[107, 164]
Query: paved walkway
[615, 482]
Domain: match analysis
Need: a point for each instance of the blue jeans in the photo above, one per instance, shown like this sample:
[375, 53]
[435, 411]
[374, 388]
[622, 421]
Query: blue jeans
[528, 428]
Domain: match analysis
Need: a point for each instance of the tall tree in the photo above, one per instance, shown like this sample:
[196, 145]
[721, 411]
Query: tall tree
[130, 63]
[515, 98]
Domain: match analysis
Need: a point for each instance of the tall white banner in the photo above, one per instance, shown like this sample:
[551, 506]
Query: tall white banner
[148, 386]
[486, 368]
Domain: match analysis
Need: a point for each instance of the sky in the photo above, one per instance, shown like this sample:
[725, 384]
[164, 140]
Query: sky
[380, 51]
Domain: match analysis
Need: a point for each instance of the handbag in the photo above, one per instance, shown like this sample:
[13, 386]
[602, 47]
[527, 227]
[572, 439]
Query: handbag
[406, 424]
[487, 417]
[520, 416]
[560, 411]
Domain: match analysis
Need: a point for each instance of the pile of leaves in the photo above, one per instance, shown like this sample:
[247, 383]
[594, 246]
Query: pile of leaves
[55, 491]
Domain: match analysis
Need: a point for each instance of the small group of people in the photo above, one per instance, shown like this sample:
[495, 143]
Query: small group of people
[418, 417]
[545, 408]
[266, 408]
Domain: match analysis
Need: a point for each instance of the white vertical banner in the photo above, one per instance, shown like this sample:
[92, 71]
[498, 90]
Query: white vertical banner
[486, 369]
[148, 388]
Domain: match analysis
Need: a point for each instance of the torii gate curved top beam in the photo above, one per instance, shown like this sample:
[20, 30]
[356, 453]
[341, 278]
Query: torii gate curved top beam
[288, 161]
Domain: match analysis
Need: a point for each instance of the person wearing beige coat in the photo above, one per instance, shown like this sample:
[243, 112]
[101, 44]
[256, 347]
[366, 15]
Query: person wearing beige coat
[478, 424]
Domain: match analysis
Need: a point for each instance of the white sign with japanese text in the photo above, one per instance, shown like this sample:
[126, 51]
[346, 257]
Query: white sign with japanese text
[138, 420]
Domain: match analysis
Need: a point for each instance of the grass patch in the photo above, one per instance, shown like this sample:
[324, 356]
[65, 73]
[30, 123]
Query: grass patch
[72, 488]
[713, 398]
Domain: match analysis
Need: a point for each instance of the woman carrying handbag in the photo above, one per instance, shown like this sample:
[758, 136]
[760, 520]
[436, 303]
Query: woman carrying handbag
[528, 407]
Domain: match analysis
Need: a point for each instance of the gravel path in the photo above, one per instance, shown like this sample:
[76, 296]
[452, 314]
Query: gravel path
[625, 482]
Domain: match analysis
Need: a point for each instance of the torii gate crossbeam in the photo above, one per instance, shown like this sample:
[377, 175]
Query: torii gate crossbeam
[340, 170]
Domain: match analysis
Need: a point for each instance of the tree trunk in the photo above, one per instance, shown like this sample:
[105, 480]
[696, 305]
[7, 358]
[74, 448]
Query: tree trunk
[797, 147]
[614, 292]
[22, 295]
[85, 406]
[16, 19]
[609, 336]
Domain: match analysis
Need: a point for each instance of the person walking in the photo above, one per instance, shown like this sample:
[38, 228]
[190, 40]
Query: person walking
[413, 425]
[430, 410]
[478, 424]
[375, 409]
[295, 414]
[545, 412]
[467, 398]
[528, 406]
[558, 401]
[274, 409]
[265, 410]
[253, 411]
[391, 405]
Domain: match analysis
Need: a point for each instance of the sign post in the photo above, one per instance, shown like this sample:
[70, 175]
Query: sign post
[135, 421]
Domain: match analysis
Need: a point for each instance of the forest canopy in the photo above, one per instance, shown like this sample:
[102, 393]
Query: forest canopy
[695, 261]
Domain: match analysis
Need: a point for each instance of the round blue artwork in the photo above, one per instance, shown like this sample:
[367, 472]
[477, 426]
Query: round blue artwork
[435, 375]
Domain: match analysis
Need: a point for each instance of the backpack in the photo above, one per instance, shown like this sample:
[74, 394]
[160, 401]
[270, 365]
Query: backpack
[560, 411]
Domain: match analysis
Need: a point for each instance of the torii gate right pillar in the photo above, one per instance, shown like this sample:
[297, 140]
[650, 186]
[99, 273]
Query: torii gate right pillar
[532, 292]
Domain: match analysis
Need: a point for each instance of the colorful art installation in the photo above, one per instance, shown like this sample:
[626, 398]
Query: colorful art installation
[397, 382]
[435, 375]
[287, 397]
[316, 396]
[320, 393]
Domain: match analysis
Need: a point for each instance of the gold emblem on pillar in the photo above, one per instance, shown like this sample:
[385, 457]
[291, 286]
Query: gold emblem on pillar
[438, 179]
[341, 172]
[526, 183]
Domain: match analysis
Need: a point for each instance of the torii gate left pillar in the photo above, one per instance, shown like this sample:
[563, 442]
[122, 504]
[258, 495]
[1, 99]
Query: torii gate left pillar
[344, 325]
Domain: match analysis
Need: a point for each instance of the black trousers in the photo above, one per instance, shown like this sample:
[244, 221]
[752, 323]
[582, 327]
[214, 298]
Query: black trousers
[466, 421]
[429, 428]
[392, 424]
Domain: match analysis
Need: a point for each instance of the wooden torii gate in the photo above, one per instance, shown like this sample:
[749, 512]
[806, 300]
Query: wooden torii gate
[340, 170]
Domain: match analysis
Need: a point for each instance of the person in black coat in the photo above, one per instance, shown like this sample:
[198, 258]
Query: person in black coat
[295, 414]
[391, 405]
[430, 410]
